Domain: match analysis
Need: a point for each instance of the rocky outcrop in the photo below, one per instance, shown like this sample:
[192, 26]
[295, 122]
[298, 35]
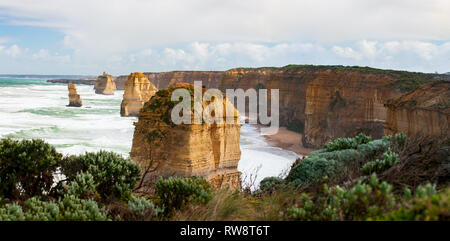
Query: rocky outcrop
[210, 79]
[424, 111]
[138, 90]
[74, 98]
[105, 84]
[208, 150]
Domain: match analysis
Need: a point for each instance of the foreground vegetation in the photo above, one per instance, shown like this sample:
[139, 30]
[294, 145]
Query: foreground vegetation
[394, 178]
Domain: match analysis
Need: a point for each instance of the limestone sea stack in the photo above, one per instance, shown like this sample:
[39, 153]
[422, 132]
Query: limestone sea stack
[164, 149]
[74, 98]
[105, 84]
[138, 90]
[423, 111]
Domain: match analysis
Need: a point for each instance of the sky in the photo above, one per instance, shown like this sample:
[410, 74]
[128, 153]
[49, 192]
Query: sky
[123, 36]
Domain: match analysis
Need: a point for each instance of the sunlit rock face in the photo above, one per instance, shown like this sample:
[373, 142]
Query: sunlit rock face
[138, 90]
[105, 84]
[74, 98]
[424, 111]
[211, 151]
[342, 103]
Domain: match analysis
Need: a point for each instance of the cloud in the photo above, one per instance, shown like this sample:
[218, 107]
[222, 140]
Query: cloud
[13, 51]
[103, 27]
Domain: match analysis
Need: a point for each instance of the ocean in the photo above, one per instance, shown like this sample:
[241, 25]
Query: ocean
[33, 108]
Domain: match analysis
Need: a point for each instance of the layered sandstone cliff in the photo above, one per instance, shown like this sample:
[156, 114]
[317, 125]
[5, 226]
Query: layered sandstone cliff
[342, 103]
[138, 90]
[424, 111]
[105, 84]
[208, 150]
[210, 79]
[74, 98]
[312, 97]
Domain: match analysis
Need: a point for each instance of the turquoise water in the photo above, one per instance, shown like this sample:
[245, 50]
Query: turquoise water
[33, 108]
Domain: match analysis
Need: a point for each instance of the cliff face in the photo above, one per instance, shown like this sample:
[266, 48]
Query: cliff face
[323, 102]
[138, 90]
[163, 80]
[208, 150]
[342, 103]
[105, 84]
[290, 82]
[74, 98]
[424, 111]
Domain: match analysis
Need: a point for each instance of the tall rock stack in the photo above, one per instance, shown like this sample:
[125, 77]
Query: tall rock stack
[105, 84]
[164, 149]
[74, 98]
[138, 90]
[423, 111]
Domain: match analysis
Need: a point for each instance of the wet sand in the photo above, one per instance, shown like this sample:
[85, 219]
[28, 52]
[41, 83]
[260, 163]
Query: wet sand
[289, 140]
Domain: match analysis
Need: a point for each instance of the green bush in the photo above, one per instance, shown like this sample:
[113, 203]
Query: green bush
[347, 143]
[312, 169]
[426, 206]
[140, 206]
[69, 208]
[26, 168]
[114, 175]
[83, 186]
[363, 201]
[175, 192]
[378, 166]
[269, 182]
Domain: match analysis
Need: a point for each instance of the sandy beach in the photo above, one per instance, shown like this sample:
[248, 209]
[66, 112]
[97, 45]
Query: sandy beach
[289, 140]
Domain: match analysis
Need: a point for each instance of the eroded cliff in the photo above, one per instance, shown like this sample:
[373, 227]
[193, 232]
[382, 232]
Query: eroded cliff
[210, 79]
[424, 111]
[74, 98]
[165, 149]
[138, 90]
[105, 84]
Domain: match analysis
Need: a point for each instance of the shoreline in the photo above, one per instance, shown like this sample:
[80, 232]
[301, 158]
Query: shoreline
[288, 140]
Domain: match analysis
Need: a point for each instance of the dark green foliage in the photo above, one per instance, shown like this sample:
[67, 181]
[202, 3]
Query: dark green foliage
[269, 182]
[378, 166]
[427, 205]
[297, 126]
[26, 168]
[114, 175]
[69, 208]
[337, 156]
[175, 192]
[347, 143]
[312, 169]
[363, 201]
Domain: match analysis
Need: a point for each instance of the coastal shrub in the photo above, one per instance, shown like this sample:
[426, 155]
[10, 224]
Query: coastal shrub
[83, 186]
[425, 207]
[363, 201]
[69, 208]
[312, 169]
[114, 176]
[140, 207]
[269, 182]
[26, 168]
[343, 155]
[174, 192]
[378, 166]
[347, 143]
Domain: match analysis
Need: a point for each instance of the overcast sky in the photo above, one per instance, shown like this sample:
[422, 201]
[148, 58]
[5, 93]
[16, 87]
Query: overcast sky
[92, 36]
